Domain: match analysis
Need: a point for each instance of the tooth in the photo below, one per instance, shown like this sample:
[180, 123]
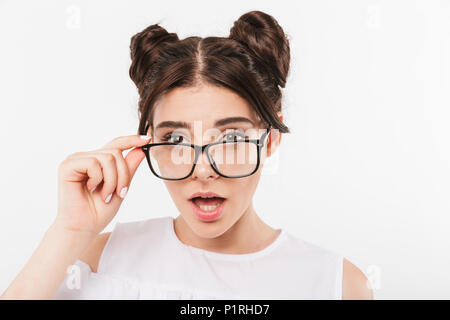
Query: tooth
[208, 208]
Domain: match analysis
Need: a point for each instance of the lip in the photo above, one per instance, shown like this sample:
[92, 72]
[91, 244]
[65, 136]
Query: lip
[205, 194]
[208, 215]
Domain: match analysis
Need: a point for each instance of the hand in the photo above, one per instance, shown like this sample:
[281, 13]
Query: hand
[108, 172]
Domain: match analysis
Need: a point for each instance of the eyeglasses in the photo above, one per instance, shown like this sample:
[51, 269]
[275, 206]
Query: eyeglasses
[229, 159]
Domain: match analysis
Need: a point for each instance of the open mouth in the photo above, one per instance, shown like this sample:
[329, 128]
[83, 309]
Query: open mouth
[208, 204]
[208, 209]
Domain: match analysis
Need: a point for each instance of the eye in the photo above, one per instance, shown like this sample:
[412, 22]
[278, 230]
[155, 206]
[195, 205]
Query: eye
[177, 138]
[233, 135]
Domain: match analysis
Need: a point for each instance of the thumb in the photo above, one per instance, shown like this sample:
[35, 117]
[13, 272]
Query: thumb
[133, 159]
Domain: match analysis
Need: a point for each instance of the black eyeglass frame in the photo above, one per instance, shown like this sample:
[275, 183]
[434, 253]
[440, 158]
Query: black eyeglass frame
[200, 149]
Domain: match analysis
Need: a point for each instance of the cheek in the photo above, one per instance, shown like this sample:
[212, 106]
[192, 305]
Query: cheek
[176, 191]
[243, 189]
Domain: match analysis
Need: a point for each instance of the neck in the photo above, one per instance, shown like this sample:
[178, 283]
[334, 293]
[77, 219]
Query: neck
[248, 234]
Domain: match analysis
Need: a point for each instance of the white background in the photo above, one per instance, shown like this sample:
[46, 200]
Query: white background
[365, 171]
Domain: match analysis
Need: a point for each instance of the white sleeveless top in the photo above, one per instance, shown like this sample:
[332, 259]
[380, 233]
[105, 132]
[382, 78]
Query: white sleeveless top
[146, 260]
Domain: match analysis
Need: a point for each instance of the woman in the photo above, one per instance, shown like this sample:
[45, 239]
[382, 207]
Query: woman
[210, 113]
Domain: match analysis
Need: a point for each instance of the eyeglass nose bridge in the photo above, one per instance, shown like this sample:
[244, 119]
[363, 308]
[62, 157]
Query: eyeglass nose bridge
[199, 150]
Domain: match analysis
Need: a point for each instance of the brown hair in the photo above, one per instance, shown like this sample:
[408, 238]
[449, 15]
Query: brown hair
[252, 62]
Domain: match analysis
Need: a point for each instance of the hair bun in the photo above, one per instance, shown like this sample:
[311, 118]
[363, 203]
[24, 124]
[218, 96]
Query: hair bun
[145, 48]
[262, 35]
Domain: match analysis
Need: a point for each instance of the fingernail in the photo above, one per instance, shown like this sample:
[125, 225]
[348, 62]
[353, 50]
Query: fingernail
[143, 137]
[108, 198]
[123, 192]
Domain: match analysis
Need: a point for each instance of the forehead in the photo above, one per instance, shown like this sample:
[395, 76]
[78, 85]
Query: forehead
[205, 103]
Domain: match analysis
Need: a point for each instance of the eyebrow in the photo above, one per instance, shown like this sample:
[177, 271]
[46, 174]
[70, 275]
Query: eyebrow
[218, 123]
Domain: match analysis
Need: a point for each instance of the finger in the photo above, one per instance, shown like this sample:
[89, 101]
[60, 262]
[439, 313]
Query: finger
[127, 142]
[76, 170]
[109, 168]
[123, 173]
[133, 159]
[95, 174]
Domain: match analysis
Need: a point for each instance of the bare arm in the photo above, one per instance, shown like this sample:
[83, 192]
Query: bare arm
[91, 188]
[94, 252]
[44, 272]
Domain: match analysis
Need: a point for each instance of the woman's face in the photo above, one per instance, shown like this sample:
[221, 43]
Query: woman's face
[201, 107]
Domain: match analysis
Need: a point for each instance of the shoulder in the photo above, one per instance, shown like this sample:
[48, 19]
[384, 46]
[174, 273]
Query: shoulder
[354, 283]
[92, 254]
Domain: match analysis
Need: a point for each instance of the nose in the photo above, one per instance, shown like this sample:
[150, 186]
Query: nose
[203, 169]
